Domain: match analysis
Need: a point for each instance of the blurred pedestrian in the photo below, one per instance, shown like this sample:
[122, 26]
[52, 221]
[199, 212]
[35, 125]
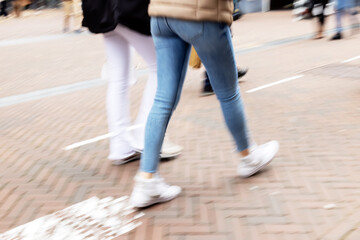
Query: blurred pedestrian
[18, 6]
[207, 88]
[38, 5]
[344, 7]
[72, 9]
[123, 29]
[203, 24]
[3, 9]
[319, 6]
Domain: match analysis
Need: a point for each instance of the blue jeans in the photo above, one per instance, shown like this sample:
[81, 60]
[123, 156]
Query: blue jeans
[212, 41]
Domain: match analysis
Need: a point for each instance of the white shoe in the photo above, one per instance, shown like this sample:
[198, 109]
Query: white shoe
[134, 156]
[170, 149]
[150, 191]
[259, 157]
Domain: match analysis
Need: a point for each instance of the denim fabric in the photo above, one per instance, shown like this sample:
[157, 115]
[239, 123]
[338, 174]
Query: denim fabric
[212, 41]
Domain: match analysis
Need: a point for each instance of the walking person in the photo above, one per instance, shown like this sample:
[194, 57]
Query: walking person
[320, 16]
[344, 7]
[204, 24]
[123, 29]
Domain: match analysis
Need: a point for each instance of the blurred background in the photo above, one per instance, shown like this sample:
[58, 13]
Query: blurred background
[301, 88]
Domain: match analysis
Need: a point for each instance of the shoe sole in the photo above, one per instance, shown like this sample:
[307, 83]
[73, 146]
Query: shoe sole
[170, 155]
[155, 202]
[206, 94]
[134, 157]
[256, 169]
[261, 166]
[164, 155]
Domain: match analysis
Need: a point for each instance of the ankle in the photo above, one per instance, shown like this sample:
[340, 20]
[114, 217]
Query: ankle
[146, 175]
[244, 153]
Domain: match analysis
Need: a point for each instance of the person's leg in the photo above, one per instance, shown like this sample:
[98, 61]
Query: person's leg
[67, 14]
[17, 8]
[339, 14]
[144, 45]
[117, 100]
[214, 44]
[321, 19]
[77, 14]
[172, 60]
[2, 7]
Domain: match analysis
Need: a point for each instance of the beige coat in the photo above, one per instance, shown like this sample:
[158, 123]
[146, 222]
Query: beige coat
[196, 10]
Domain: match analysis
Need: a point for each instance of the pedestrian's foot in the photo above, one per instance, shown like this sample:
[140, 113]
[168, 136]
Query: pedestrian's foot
[151, 191]
[170, 149]
[65, 30]
[337, 36]
[318, 36]
[241, 72]
[132, 157]
[207, 89]
[78, 30]
[259, 157]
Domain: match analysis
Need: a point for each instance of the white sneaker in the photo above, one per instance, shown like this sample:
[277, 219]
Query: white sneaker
[170, 149]
[150, 191]
[259, 157]
[134, 156]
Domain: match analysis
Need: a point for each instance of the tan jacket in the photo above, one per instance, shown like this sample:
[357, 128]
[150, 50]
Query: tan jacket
[196, 10]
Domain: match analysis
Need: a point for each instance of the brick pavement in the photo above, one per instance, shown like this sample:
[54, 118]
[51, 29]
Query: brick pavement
[310, 191]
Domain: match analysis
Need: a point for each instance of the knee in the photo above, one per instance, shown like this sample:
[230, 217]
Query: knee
[229, 95]
[118, 84]
[163, 106]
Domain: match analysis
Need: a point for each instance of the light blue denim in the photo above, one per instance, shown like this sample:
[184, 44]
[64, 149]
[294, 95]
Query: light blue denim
[212, 41]
[345, 7]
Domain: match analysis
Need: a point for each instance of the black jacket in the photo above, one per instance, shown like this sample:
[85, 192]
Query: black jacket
[101, 16]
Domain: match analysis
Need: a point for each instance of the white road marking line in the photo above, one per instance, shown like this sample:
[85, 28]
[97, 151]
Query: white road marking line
[98, 138]
[64, 89]
[274, 83]
[40, 94]
[94, 218]
[351, 59]
[91, 140]
[27, 40]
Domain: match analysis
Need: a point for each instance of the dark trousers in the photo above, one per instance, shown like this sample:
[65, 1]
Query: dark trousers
[3, 9]
[321, 16]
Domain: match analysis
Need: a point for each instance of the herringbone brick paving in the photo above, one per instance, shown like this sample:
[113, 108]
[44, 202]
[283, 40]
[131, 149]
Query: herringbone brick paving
[315, 119]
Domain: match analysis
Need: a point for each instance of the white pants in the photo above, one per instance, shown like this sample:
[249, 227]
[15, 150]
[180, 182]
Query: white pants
[117, 44]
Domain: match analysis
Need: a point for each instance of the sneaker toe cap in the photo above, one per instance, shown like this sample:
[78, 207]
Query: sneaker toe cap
[172, 192]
